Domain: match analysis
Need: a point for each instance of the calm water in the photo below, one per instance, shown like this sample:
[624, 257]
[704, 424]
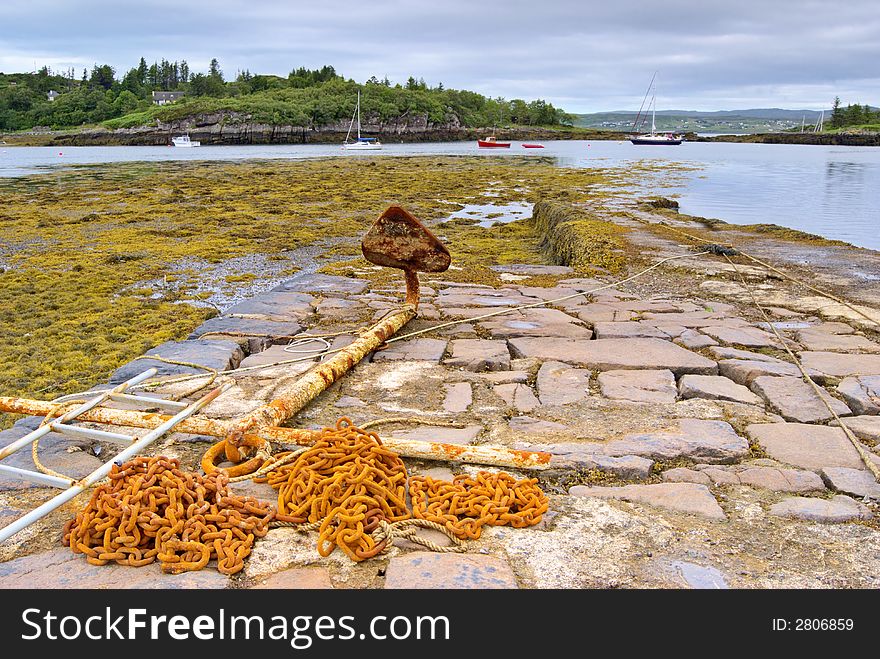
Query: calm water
[827, 190]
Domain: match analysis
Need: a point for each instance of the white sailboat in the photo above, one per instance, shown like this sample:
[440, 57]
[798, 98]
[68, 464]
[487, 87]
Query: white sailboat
[653, 137]
[362, 143]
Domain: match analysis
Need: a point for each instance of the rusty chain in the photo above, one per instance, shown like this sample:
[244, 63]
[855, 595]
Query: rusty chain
[152, 510]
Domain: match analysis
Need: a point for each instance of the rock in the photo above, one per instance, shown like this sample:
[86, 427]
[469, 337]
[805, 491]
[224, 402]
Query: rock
[769, 478]
[795, 400]
[62, 569]
[841, 365]
[275, 305]
[834, 511]
[613, 354]
[536, 322]
[817, 338]
[861, 393]
[531, 270]
[694, 340]
[560, 384]
[639, 386]
[629, 467]
[724, 352]
[316, 283]
[627, 330]
[53, 453]
[693, 319]
[296, 578]
[349, 401]
[750, 337]
[489, 297]
[442, 435]
[517, 395]
[715, 387]
[246, 327]
[863, 427]
[506, 377]
[479, 355]
[597, 312]
[338, 307]
[429, 570]
[531, 426]
[806, 446]
[459, 397]
[745, 372]
[217, 355]
[427, 350]
[857, 482]
[689, 498]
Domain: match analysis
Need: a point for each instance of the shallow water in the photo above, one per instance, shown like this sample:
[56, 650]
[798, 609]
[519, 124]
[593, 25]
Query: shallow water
[832, 191]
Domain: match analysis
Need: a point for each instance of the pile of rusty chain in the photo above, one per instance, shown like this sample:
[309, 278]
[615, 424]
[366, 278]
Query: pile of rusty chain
[347, 482]
[151, 509]
[350, 484]
[467, 504]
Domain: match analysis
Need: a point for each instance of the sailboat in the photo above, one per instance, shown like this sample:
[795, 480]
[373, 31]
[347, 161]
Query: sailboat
[653, 137]
[362, 143]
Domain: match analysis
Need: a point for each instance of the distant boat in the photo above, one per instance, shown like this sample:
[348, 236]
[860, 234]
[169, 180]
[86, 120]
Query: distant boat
[653, 138]
[362, 143]
[184, 141]
[492, 142]
[533, 146]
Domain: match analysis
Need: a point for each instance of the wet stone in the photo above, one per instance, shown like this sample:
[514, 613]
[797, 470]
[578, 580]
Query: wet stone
[796, 400]
[424, 569]
[479, 355]
[275, 305]
[639, 386]
[317, 283]
[428, 350]
[857, 482]
[517, 395]
[715, 387]
[806, 446]
[689, 498]
[560, 384]
[296, 578]
[861, 393]
[459, 397]
[218, 355]
[834, 511]
[841, 365]
[615, 354]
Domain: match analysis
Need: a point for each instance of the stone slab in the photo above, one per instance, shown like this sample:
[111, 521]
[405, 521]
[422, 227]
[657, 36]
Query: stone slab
[863, 427]
[218, 355]
[694, 340]
[571, 455]
[769, 478]
[615, 354]
[726, 352]
[627, 330]
[806, 446]
[459, 397]
[750, 337]
[440, 434]
[825, 511]
[505, 377]
[857, 482]
[696, 439]
[518, 395]
[861, 393]
[531, 426]
[479, 355]
[715, 387]
[795, 400]
[536, 322]
[318, 283]
[841, 365]
[689, 498]
[429, 570]
[274, 305]
[639, 386]
[427, 350]
[247, 327]
[561, 384]
[820, 339]
[744, 372]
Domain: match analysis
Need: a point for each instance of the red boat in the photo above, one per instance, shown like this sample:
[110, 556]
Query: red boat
[533, 146]
[492, 143]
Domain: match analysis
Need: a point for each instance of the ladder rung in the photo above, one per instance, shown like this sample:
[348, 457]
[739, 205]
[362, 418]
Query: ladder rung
[36, 477]
[158, 402]
[79, 431]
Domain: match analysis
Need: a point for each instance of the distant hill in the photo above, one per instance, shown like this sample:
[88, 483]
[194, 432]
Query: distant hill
[719, 121]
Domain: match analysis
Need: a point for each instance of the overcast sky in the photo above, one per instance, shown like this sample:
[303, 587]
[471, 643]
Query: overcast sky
[582, 56]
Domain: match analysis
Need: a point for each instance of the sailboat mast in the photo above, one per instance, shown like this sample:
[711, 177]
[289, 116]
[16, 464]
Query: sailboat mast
[359, 115]
[654, 114]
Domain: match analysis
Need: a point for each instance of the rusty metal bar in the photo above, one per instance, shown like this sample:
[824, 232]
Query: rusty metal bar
[499, 456]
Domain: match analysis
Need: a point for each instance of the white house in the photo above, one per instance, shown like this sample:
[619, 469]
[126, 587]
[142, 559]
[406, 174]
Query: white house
[52, 95]
[164, 98]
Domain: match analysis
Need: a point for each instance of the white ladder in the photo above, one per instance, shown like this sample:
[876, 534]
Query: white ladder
[71, 486]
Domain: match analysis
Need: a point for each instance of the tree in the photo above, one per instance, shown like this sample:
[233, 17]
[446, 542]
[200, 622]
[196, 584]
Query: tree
[141, 71]
[184, 71]
[214, 70]
[836, 114]
[102, 76]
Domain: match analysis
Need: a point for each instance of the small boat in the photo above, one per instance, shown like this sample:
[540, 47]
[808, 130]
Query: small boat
[533, 146]
[492, 142]
[653, 138]
[184, 141]
[362, 143]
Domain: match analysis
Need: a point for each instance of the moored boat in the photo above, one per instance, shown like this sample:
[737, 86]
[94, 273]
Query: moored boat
[492, 142]
[653, 138]
[184, 141]
[533, 146]
[362, 143]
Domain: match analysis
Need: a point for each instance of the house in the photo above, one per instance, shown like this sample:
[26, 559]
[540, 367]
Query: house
[52, 95]
[164, 98]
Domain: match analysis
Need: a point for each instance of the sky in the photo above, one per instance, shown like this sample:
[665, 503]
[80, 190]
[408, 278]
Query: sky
[581, 55]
